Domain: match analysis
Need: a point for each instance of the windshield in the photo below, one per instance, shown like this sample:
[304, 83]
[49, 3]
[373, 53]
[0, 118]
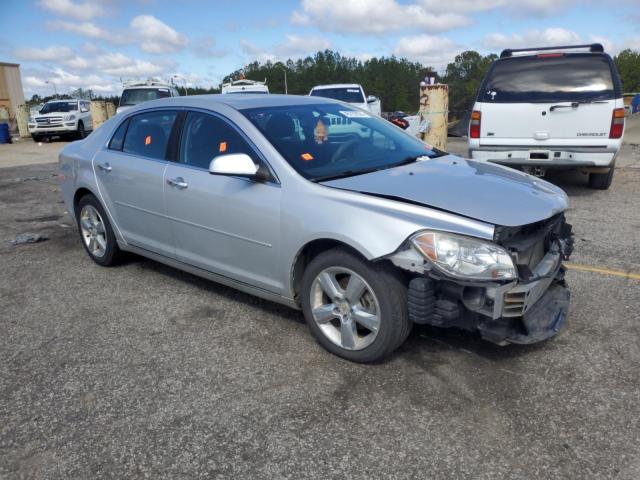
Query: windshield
[549, 78]
[349, 95]
[135, 96]
[333, 141]
[59, 107]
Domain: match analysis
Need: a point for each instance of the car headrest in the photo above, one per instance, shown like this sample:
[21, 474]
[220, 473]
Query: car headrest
[280, 125]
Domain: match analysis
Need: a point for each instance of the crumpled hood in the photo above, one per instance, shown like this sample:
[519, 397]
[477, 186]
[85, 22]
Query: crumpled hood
[483, 191]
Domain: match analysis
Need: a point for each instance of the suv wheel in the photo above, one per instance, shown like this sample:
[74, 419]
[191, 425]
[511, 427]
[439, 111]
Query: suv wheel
[96, 232]
[601, 181]
[36, 138]
[81, 131]
[355, 309]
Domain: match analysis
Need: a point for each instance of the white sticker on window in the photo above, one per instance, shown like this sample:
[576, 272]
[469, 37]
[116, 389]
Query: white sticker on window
[353, 90]
[354, 114]
[163, 89]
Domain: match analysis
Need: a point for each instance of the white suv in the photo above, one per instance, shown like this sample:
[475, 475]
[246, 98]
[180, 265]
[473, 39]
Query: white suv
[550, 108]
[61, 118]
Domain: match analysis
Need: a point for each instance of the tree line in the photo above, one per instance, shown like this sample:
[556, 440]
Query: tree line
[394, 80]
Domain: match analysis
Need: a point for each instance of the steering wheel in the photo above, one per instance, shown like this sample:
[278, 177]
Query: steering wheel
[342, 149]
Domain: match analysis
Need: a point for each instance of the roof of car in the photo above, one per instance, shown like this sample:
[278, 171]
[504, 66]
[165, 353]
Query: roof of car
[336, 85]
[239, 102]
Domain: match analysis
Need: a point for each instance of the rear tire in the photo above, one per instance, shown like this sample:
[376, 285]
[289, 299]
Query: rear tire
[601, 181]
[371, 323]
[96, 233]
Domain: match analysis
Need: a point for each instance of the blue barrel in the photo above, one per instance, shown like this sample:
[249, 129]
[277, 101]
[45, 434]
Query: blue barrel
[4, 133]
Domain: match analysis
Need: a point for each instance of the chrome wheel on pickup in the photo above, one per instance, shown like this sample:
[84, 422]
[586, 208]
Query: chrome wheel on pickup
[355, 308]
[345, 308]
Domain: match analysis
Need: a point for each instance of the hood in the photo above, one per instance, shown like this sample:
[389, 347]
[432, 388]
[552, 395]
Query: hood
[482, 191]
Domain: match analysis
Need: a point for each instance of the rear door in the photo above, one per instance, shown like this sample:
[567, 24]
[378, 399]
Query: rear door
[550, 99]
[130, 176]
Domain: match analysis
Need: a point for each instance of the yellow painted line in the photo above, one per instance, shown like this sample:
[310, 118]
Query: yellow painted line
[604, 271]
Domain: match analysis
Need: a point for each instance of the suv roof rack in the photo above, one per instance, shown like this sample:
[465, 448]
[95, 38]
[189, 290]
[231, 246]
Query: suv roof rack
[593, 47]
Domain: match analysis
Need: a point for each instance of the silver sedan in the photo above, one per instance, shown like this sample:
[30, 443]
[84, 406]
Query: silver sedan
[318, 205]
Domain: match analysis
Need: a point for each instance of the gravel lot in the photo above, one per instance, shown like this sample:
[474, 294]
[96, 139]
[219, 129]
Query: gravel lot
[142, 371]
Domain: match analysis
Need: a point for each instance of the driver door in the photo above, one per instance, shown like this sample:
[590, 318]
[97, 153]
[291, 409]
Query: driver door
[224, 224]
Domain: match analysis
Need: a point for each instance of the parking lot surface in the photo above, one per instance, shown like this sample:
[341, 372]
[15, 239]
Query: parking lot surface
[141, 371]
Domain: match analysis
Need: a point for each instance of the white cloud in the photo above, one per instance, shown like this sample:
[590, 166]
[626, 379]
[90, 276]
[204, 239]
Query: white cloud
[76, 10]
[118, 64]
[381, 16]
[156, 36]
[87, 29]
[532, 38]
[293, 46]
[519, 8]
[48, 54]
[430, 50]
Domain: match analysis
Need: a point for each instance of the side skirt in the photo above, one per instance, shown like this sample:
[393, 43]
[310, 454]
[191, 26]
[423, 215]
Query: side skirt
[214, 277]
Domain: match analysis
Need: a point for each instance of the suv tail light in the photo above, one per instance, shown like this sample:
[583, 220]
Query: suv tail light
[617, 123]
[474, 124]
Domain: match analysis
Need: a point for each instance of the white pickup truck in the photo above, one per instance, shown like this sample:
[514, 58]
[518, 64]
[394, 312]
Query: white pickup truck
[348, 92]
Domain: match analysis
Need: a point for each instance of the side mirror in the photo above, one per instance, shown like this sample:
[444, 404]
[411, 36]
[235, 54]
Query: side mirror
[233, 164]
[372, 99]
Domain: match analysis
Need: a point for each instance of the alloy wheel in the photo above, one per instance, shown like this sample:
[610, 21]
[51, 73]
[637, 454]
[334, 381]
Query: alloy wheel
[93, 231]
[345, 308]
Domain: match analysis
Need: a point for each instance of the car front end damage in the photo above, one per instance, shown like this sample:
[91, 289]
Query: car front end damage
[522, 299]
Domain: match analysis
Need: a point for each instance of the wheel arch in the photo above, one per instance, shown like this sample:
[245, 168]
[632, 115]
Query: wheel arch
[308, 252]
[79, 193]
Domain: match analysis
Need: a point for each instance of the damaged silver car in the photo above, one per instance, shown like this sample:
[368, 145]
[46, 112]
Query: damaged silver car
[323, 207]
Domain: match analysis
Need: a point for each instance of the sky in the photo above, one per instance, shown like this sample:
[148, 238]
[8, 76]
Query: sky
[94, 44]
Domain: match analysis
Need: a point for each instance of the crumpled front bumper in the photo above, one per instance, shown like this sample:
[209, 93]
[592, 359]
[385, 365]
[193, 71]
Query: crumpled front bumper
[545, 319]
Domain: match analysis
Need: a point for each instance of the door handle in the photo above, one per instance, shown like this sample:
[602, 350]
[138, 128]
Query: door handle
[178, 183]
[105, 168]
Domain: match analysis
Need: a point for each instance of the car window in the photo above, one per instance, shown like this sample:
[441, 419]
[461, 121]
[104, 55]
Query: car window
[344, 94]
[135, 96]
[148, 134]
[205, 137]
[118, 138]
[331, 140]
[549, 78]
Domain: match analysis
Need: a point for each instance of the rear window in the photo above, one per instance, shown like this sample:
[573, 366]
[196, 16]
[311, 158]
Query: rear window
[549, 78]
[135, 96]
[349, 95]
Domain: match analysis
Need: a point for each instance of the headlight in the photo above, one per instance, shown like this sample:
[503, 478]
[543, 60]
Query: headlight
[465, 257]
[69, 117]
[32, 120]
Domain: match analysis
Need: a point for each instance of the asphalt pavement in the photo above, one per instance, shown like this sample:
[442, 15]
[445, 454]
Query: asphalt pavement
[141, 371]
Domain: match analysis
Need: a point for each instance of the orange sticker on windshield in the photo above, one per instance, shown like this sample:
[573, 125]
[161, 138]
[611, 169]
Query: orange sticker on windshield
[223, 147]
[147, 140]
[306, 157]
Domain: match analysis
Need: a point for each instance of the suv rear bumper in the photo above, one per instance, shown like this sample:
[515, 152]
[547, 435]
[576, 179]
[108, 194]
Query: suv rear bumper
[556, 158]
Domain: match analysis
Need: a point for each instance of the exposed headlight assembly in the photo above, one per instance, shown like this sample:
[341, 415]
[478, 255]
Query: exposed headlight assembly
[465, 257]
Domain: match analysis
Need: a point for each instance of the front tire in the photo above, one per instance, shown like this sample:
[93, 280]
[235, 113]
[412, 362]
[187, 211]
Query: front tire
[601, 181]
[81, 133]
[96, 232]
[355, 309]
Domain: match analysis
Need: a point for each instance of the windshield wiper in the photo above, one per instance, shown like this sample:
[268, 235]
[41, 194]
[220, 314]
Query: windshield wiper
[576, 104]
